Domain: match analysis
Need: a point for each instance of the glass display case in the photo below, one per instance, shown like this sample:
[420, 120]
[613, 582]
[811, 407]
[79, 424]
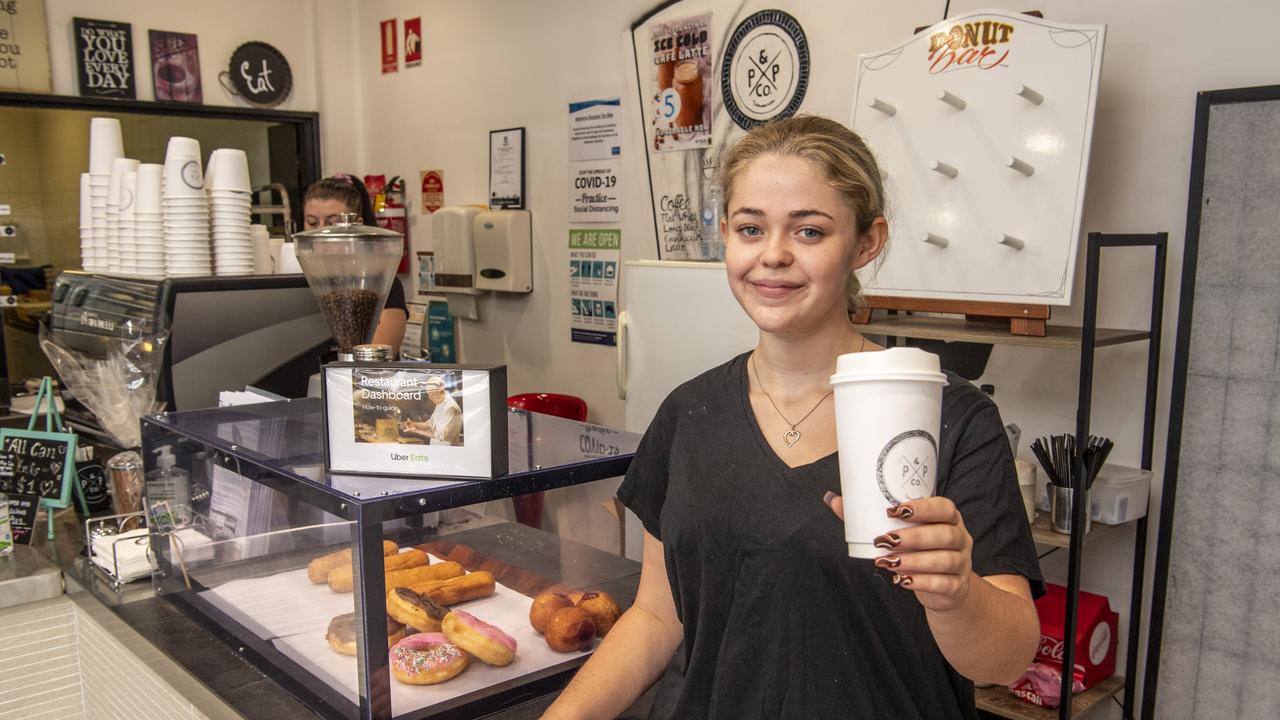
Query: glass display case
[292, 565]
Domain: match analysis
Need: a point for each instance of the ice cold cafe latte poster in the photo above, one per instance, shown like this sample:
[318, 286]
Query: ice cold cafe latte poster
[104, 57]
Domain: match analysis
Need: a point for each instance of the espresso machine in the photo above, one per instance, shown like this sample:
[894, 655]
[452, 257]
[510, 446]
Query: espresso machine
[223, 333]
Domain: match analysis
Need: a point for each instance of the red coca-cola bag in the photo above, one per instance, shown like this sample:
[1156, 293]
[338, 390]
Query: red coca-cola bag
[1095, 640]
[1041, 685]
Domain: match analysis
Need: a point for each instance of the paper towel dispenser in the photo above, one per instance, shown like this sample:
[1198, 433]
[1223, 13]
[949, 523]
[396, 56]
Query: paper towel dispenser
[504, 250]
[455, 255]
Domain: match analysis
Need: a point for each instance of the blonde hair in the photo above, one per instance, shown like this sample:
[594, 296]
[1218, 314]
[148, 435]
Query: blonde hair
[838, 152]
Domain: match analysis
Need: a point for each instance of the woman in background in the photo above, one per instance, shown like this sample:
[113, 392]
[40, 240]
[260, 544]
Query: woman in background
[323, 205]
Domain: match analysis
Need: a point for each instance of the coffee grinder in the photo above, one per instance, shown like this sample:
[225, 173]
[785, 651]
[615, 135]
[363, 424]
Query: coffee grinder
[350, 268]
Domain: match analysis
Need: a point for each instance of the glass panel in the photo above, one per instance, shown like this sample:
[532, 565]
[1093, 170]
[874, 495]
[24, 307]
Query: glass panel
[245, 538]
[289, 437]
[241, 552]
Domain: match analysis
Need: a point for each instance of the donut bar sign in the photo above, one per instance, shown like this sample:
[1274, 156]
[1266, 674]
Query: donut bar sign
[766, 69]
[981, 44]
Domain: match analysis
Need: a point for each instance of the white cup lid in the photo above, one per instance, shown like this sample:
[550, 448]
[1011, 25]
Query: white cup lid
[898, 363]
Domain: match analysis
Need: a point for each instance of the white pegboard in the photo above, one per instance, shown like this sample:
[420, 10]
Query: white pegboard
[975, 132]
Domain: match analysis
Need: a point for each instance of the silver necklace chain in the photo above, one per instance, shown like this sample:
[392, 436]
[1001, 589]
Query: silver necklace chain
[792, 436]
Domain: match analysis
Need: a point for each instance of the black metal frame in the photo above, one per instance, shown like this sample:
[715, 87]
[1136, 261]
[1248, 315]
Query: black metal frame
[367, 516]
[1080, 504]
[1159, 242]
[1181, 358]
[306, 124]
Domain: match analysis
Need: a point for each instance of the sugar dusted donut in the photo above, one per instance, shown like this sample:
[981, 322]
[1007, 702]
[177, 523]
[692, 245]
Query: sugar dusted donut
[427, 659]
[486, 642]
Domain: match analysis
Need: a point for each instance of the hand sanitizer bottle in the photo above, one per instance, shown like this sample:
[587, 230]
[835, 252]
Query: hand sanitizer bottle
[169, 483]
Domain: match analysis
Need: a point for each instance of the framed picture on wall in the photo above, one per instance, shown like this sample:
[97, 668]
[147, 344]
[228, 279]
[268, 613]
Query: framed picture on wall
[506, 169]
[104, 58]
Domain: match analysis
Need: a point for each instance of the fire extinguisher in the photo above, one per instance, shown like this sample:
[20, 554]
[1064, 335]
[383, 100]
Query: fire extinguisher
[389, 207]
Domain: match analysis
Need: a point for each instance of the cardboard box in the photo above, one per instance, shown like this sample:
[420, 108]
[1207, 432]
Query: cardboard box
[1096, 634]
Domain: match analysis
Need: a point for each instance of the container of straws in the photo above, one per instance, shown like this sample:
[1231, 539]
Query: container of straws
[1070, 469]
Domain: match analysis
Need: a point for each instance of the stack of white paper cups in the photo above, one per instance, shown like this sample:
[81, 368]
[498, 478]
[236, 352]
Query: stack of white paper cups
[125, 225]
[229, 205]
[105, 145]
[149, 222]
[87, 256]
[119, 167]
[888, 414]
[186, 211]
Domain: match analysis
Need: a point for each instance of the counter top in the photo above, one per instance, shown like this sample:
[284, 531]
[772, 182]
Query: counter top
[27, 576]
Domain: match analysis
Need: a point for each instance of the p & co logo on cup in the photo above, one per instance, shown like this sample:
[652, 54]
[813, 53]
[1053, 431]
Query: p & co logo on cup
[905, 468]
[766, 69]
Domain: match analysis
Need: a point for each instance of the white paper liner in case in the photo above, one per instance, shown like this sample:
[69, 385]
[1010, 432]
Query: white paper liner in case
[293, 614]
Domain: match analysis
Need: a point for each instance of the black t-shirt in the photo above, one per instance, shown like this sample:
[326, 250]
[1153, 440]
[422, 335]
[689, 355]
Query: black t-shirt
[778, 621]
[395, 298]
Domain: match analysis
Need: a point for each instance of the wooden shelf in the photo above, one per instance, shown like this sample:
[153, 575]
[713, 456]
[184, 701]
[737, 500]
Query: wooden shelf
[1044, 534]
[957, 329]
[999, 701]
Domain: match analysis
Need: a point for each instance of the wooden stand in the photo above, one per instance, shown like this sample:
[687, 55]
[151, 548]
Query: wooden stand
[1027, 320]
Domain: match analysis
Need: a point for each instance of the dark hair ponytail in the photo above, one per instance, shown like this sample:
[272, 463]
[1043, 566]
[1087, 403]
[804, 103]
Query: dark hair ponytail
[346, 189]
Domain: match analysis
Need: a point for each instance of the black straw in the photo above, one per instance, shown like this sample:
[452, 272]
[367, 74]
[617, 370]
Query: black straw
[1058, 455]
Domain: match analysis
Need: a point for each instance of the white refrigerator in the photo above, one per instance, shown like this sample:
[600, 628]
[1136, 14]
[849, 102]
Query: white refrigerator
[678, 320]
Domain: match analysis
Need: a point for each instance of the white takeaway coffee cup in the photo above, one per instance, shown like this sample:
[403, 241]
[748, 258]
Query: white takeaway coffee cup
[888, 413]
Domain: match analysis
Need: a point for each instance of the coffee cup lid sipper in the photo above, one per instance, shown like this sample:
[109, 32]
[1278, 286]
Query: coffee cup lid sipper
[899, 363]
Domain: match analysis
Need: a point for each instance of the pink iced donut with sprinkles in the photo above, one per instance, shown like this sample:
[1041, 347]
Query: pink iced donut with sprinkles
[427, 659]
[479, 638]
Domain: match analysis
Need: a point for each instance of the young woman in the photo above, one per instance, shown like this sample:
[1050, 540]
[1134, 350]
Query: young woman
[324, 203]
[748, 600]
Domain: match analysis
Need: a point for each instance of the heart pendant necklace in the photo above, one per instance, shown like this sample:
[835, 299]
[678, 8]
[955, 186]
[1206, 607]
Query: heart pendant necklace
[792, 436]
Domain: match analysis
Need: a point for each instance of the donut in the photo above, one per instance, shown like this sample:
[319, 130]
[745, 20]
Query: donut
[343, 635]
[318, 569]
[415, 610]
[570, 629]
[543, 606]
[426, 659]
[472, 586]
[479, 638]
[602, 608]
[342, 579]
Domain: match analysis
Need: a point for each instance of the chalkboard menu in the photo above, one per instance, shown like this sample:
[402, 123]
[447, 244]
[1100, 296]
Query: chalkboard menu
[22, 516]
[37, 463]
[93, 486]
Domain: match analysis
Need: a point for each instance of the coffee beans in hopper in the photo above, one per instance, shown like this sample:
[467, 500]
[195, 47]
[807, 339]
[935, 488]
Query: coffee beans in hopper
[351, 315]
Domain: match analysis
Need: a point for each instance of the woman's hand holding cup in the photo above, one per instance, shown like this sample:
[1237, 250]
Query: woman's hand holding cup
[932, 557]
